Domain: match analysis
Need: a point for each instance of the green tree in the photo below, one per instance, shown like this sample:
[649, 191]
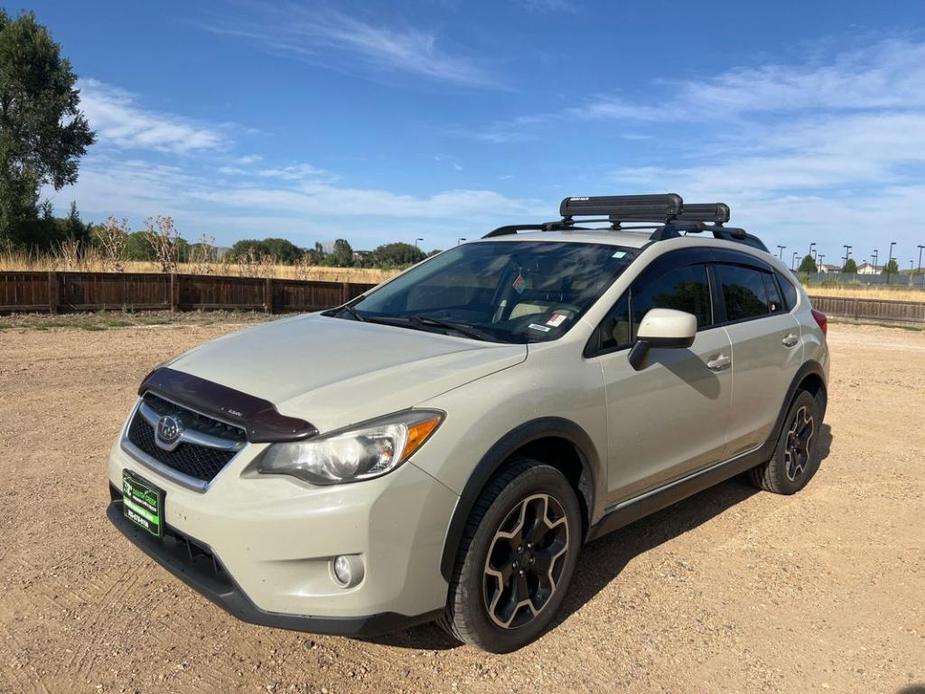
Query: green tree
[850, 267]
[44, 231]
[314, 256]
[281, 250]
[891, 268]
[396, 255]
[808, 265]
[43, 133]
[341, 256]
[137, 247]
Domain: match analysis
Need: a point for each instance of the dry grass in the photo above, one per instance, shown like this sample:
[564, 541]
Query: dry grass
[904, 293]
[92, 261]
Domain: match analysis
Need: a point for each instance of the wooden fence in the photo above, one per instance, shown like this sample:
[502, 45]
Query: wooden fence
[878, 310]
[55, 292]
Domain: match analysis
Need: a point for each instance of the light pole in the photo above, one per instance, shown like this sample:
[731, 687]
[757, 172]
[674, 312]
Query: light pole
[920, 264]
[847, 253]
[810, 252]
[889, 263]
[793, 260]
[460, 240]
[819, 262]
[780, 251]
[416, 242]
[876, 255]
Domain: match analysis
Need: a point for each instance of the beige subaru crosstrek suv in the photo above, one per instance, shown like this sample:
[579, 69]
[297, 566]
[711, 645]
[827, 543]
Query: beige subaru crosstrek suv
[441, 447]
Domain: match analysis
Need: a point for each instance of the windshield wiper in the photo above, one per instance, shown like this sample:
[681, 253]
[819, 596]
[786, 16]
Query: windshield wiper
[462, 328]
[352, 311]
[425, 322]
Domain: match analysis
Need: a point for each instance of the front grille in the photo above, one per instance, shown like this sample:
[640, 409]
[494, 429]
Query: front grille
[194, 460]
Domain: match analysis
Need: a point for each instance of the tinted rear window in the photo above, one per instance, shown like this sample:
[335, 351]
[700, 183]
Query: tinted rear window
[745, 292]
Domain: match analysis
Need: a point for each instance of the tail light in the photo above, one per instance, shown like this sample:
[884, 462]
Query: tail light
[822, 321]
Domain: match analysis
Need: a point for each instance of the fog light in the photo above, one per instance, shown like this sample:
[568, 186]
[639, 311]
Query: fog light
[347, 570]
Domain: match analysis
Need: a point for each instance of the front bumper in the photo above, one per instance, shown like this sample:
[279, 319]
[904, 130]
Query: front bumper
[197, 566]
[261, 546]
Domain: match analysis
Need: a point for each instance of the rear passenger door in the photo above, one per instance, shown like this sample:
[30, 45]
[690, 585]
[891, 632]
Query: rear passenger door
[669, 418]
[766, 347]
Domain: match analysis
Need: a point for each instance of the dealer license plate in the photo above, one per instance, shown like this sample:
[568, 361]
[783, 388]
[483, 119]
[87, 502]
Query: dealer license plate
[143, 503]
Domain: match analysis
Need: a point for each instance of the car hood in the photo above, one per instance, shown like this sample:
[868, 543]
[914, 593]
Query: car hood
[334, 372]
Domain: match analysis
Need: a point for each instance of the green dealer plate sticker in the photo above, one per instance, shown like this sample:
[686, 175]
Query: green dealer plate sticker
[143, 503]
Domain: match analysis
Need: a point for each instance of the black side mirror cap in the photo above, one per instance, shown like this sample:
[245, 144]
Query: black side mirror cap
[641, 348]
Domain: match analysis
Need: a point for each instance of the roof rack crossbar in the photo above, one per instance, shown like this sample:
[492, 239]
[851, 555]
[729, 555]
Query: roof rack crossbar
[556, 225]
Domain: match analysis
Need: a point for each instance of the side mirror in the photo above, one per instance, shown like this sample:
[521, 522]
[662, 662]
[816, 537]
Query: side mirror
[662, 327]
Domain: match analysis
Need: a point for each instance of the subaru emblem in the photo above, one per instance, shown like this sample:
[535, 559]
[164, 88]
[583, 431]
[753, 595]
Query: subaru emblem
[169, 429]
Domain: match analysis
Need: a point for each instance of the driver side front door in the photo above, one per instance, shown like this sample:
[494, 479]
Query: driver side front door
[669, 418]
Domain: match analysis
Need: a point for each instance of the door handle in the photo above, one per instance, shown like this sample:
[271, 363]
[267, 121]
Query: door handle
[719, 363]
[790, 340]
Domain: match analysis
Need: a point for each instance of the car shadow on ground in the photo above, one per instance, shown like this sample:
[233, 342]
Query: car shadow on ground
[602, 561]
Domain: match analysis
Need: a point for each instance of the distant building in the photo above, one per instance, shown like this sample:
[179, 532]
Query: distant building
[868, 269]
[361, 255]
[822, 267]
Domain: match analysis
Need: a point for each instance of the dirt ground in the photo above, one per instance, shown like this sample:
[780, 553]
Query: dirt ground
[730, 590]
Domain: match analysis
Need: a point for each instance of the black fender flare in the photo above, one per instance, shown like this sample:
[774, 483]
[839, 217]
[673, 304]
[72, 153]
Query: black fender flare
[810, 368]
[494, 458]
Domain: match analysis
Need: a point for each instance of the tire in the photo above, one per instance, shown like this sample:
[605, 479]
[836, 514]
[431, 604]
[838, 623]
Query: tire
[796, 456]
[501, 594]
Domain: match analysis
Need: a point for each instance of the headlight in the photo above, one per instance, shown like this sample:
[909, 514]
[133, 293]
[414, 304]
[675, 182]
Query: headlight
[365, 451]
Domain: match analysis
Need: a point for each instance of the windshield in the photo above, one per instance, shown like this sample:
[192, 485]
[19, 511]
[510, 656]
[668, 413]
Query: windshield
[507, 291]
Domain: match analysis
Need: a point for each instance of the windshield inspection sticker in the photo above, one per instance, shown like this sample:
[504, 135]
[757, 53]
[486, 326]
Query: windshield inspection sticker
[556, 319]
[541, 328]
[618, 254]
[519, 284]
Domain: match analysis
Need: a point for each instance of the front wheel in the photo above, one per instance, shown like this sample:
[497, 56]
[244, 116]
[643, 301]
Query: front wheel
[796, 457]
[516, 559]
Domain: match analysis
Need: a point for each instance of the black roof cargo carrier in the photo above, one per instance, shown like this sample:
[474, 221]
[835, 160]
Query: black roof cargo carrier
[624, 208]
[665, 214]
[716, 212]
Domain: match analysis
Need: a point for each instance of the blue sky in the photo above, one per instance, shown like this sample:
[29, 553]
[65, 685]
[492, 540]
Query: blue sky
[443, 118]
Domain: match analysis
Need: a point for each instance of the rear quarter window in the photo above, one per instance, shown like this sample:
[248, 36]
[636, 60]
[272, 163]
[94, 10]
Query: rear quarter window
[790, 292]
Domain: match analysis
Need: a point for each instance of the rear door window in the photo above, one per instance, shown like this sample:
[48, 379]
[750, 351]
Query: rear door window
[747, 292]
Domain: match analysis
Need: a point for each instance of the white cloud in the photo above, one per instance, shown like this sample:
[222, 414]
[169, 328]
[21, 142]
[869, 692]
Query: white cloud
[118, 120]
[329, 199]
[886, 75]
[305, 210]
[326, 36]
[296, 172]
[549, 5]
[833, 151]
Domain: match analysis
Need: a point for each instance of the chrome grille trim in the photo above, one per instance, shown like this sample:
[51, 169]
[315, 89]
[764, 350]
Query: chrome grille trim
[190, 437]
[197, 438]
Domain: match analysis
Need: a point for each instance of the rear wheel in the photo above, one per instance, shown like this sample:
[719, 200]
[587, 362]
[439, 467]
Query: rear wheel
[796, 457]
[517, 558]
